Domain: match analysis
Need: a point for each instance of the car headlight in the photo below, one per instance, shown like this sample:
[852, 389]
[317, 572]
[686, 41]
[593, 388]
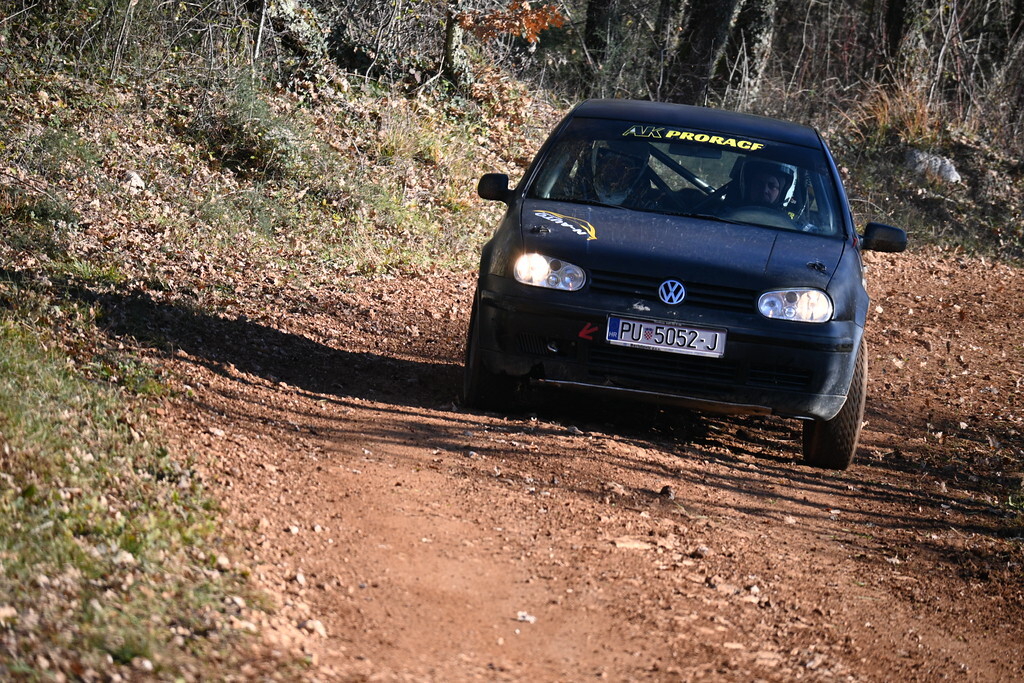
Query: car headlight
[541, 271]
[804, 305]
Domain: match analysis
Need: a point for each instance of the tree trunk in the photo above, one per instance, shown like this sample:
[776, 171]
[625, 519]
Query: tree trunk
[597, 30]
[454, 64]
[749, 48]
[894, 29]
[666, 43]
[702, 43]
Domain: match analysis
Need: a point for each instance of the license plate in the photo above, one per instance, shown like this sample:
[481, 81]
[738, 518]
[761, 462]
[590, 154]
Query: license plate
[647, 334]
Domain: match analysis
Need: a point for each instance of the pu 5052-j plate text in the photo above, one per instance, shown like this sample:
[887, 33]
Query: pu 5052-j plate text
[649, 334]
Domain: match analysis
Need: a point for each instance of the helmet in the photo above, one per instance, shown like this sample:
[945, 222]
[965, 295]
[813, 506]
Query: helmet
[766, 182]
[617, 168]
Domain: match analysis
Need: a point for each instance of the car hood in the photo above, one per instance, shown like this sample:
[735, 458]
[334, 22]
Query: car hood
[659, 245]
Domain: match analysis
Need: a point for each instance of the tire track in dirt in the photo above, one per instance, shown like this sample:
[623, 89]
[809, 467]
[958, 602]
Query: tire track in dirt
[404, 538]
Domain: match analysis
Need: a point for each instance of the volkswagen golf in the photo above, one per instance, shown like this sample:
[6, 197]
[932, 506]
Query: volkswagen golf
[682, 255]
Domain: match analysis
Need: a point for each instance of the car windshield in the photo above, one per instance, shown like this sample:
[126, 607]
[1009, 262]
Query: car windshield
[706, 174]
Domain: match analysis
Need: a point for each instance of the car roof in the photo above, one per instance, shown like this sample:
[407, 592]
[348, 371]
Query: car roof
[703, 118]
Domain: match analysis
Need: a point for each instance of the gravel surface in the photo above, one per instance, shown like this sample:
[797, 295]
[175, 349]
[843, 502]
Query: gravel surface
[401, 537]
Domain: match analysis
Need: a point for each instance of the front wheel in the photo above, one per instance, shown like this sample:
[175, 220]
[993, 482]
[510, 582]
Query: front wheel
[831, 444]
[481, 388]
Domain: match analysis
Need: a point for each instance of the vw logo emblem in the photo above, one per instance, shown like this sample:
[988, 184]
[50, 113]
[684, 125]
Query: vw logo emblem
[672, 292]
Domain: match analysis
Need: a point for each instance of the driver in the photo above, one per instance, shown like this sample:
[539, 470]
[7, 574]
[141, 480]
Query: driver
[765, 184]
[617, 170]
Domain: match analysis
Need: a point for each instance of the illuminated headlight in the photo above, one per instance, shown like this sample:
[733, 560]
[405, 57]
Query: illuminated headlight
[541, 271]
[804, 305]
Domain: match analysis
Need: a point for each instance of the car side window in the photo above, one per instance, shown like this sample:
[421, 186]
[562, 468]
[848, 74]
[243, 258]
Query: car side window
[559, 175]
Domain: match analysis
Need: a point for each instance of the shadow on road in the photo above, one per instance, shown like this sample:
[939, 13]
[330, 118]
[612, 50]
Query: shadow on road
[737, 447]
[219, 343]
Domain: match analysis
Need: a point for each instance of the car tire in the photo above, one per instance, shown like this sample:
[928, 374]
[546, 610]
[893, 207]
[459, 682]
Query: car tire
[482, 389]
[831, 444]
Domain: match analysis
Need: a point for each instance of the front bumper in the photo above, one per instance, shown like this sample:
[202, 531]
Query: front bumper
[769, 366]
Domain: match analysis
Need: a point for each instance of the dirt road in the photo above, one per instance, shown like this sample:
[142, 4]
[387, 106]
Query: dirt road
[404, 538]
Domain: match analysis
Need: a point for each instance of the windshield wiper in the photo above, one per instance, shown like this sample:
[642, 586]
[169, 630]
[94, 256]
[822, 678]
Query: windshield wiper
[702, 216]
[589, 202]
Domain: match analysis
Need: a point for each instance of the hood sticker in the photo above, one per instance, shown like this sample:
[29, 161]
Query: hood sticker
[577, 225]
[671, 134]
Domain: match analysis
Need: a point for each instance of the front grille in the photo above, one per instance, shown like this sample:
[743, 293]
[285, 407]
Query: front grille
[697, 294]
[533, 345]
[667, 370]
[780, 378]
[607, 282]
[677, 372]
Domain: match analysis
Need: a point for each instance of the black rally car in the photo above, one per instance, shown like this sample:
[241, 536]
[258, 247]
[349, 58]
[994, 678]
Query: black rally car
[684, 255]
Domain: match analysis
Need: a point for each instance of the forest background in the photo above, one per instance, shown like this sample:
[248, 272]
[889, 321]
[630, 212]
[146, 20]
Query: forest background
[213, 154]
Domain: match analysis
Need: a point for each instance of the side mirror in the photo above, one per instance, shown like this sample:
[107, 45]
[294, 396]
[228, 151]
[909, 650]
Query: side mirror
[494, 186]
[881, 237]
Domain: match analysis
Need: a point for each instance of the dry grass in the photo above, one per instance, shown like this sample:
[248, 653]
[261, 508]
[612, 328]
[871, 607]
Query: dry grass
[900, 112]
[197, 200]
